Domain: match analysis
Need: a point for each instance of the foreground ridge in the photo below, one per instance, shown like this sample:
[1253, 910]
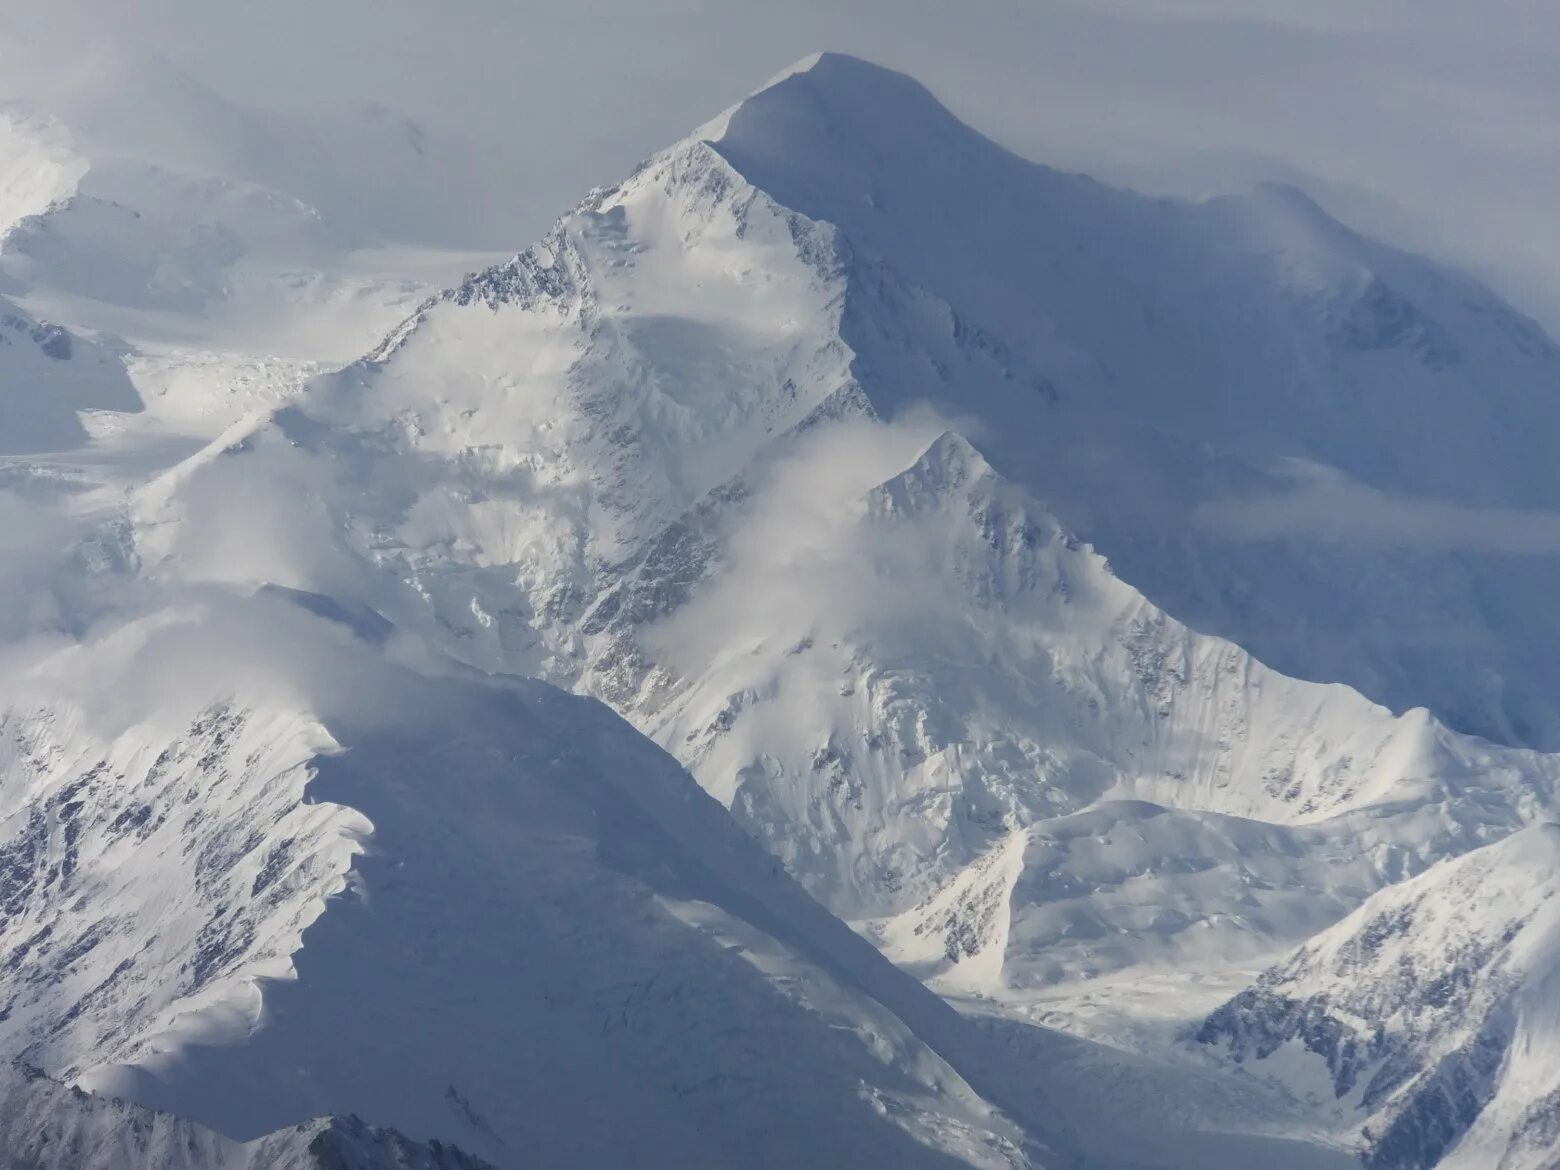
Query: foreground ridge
[45, 1125]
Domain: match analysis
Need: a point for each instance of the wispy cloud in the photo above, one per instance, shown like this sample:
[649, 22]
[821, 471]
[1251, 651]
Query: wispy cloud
[800, 553]
[1327, 507]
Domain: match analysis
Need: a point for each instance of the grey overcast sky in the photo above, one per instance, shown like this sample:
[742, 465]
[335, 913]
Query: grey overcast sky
[1434, 121]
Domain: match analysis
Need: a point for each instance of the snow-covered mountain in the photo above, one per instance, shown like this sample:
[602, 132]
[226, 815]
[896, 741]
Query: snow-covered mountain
[804, 448]
[1282, 432]
[220, 254]
[1431, 1010]
[673, 456]
[258, 870]
[173, 250]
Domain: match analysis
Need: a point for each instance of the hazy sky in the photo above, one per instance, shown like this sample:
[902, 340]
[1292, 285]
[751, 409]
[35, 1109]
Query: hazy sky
[1435, 120]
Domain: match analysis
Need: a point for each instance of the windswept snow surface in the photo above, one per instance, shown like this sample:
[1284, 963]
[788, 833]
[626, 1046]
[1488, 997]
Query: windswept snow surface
[804, 449]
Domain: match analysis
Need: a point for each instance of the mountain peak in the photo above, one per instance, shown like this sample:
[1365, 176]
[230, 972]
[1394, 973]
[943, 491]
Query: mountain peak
[950, 460]
[831, 69]
[834, 95]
